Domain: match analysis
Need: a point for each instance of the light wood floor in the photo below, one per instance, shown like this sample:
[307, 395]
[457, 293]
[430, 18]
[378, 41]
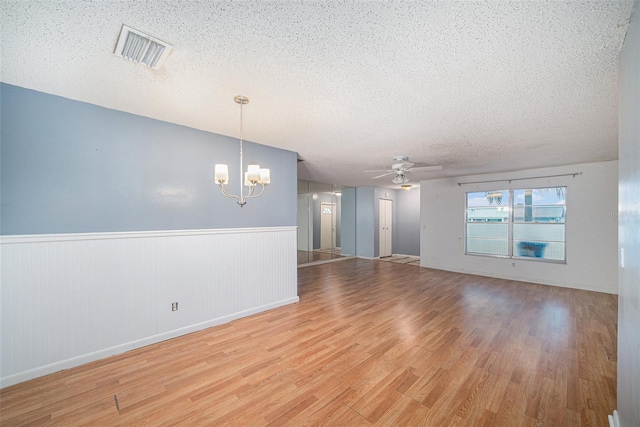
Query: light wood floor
[370, 343]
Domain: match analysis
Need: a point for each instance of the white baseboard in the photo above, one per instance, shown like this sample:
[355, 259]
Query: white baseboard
[524, 279]
[326, 261]
[614, 421]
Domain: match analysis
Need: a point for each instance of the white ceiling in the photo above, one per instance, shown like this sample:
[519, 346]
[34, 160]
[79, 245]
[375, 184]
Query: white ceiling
[476, 87]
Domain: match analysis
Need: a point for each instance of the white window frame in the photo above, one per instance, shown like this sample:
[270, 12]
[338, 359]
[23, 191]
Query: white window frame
[510, 227]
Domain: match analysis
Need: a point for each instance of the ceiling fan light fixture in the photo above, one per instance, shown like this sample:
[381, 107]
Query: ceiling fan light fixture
[402, 168]
[400, 179]
[406, 187]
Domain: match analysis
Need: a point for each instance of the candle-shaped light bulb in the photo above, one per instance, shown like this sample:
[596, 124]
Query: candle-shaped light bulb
[265, 177]
[221, 174]
[253, 172]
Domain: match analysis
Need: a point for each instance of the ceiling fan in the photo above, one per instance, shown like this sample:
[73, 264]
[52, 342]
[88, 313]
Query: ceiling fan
[400, 168]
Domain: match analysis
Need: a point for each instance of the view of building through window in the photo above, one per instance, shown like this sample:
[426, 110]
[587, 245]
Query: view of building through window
[528, 223]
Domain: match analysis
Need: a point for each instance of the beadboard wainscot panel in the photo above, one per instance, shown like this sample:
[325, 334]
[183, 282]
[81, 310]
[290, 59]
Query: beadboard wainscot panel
[70, 299]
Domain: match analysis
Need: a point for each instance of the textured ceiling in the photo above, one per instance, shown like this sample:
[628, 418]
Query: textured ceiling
[473, 86]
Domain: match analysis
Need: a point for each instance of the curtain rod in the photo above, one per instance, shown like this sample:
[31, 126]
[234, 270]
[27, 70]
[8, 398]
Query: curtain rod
[520, 179]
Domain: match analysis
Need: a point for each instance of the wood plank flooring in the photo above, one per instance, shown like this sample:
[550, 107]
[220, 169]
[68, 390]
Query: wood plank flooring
[370, 343]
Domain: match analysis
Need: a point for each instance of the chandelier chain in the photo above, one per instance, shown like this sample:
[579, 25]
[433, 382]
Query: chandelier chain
[241, 141]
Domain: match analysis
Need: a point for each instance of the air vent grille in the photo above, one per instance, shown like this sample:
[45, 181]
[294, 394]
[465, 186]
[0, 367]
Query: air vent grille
[141, 48]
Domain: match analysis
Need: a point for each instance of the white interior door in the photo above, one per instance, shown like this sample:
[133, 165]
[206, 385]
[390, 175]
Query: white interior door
[327, 225]
[385, 222]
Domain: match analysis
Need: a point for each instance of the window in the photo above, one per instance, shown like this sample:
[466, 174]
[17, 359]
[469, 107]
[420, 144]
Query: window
[520, 223]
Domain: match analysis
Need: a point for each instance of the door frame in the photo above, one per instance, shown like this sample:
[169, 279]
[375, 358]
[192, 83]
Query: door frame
[323, 225]
[385, 228]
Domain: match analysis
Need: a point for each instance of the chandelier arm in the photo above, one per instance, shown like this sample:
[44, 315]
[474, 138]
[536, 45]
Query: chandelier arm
[231, 196]
[252, 196]
[244, 198]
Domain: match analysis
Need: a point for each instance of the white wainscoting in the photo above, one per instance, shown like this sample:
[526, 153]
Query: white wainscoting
[73, 298]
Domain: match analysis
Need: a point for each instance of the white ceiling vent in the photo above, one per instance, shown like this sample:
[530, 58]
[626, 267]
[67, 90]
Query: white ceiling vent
[141, 48]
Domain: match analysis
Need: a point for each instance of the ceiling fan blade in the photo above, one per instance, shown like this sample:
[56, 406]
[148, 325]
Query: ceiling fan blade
[403, 165]
[381, 170]
[425, 168]
[384, 174]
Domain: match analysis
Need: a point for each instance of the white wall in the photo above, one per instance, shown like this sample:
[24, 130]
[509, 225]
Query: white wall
[70, 299]
[591, 230]
[629, 231]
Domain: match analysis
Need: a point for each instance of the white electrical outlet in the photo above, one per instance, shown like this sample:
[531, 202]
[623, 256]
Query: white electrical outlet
[174, 306]
[622, 257]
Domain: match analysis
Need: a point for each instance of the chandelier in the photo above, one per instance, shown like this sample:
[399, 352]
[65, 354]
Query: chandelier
[252, 177]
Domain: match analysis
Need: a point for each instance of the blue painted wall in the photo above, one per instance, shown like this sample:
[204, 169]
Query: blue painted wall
[348, 214]
[72, 167]
[365, 222]
[407, 232]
